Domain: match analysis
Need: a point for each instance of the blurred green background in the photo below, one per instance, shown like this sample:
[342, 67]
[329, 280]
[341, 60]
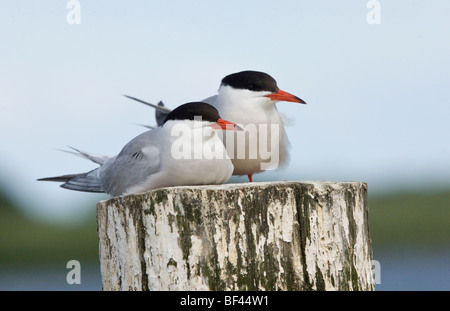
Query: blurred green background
[378, 109]
[404, 226]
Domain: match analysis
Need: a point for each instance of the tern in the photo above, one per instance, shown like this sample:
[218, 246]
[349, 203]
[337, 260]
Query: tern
[185, 150]
[249, 99]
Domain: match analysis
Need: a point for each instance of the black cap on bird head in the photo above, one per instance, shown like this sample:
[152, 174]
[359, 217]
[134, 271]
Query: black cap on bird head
[190, 111]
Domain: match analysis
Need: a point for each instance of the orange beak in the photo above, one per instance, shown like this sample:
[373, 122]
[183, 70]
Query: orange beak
[222, 124]
[285, 97]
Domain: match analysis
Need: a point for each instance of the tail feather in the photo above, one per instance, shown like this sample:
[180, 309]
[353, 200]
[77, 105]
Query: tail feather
[157, 107]
[160, 115]
[99, 159]
[63, 178]
[161, 111]
[151, 127]
[86, 182]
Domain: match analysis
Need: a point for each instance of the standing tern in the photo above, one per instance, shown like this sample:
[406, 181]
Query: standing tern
[185, 150]
[249, 98]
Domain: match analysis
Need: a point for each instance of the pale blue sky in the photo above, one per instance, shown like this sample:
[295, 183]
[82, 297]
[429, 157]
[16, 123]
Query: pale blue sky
[378, 95]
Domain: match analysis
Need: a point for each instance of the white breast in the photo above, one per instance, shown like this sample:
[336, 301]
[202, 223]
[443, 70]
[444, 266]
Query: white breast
[263, 144]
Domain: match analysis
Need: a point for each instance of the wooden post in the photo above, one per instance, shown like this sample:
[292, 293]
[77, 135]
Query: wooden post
[250, 236]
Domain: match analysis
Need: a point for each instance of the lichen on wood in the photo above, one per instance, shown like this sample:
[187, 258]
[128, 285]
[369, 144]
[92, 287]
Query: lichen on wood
[251, 236]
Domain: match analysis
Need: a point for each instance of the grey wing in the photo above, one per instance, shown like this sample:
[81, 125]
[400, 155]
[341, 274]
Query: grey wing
[138, 160]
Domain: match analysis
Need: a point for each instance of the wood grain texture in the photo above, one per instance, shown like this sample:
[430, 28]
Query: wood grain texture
[250, 236]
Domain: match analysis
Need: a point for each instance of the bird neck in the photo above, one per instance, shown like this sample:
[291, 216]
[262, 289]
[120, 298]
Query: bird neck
[244, 106]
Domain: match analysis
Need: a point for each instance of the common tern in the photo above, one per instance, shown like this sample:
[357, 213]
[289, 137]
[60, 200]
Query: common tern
[249, 99]
[185, 150]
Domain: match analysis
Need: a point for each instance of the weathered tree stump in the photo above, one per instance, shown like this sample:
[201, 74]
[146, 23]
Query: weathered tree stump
[251, 236]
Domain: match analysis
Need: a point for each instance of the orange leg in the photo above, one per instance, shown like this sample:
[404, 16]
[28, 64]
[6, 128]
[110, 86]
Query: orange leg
[250, 177]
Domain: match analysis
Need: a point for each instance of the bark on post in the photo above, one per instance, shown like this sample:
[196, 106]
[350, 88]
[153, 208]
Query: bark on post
[251, 236]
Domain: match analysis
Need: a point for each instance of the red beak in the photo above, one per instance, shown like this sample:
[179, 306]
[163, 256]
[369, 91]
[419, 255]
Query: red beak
[225, 125]
[285, 97]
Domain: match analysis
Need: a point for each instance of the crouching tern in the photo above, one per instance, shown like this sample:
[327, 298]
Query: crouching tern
[249, 99]
[185, 150]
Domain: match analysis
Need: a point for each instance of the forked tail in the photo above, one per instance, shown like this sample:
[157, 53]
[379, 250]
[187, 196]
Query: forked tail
[87, 182]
